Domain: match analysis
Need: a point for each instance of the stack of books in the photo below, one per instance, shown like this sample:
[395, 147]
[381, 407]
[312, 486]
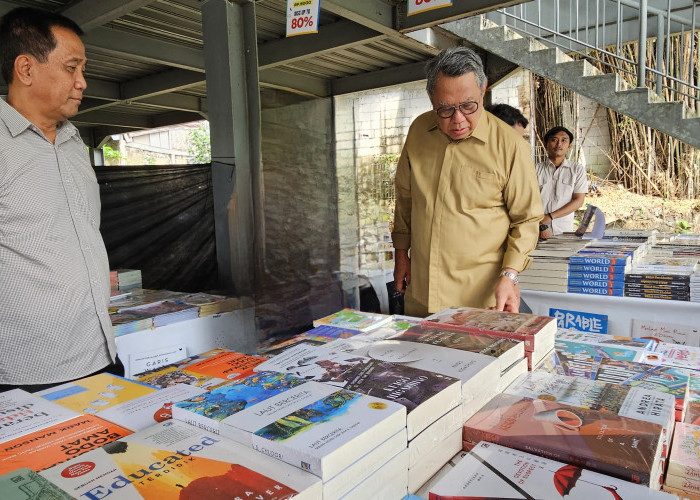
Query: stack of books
[683, 474]
[164, 312]
[141, 297]
[598, 273]
[175, 460]
[618, 446]
[126, 323]
[692, 414]
[494, 471]
[694, 286]
[210, 304]
[536, 332]
[206, 370]
[353, 320]
[658, 286]
[550, 264]
[339, 435]
[128, 279]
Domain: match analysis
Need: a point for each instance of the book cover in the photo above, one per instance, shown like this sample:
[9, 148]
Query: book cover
[273, 349]
[682, 356]
[172, 375]
[57, 443]
[96, 393]
[508, 351]
[692, 414]
[686, 487]
[684, 459]
[598, 350]
[529, 328]
[580, 321]
[25, 484]
[606, 339]
[599, 260]
[589, 275]
[475, 371]
[149, 409]
[601, 441]
[174, 460]
[493, 471]
[226, 365]
[617, 292]
[22, 413]
[575, 365]
[426, 395]
[353, 320]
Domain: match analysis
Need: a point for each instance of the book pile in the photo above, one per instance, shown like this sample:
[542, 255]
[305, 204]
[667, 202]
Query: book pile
[337, 434]
[658, 286]
[316, 336]
[432, 400]
[141, 297]
[206, 370]
[550, 265]
[692, 414]
[598, 273]
[694, 286]
[164, 312]
[126, 323]
[128, 279]
[353, 320]
[210, 304]
[494, 471]
[622, 447]
[536, 332]
[683, 474]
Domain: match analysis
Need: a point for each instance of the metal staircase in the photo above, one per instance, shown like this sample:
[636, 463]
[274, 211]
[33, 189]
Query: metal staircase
[610, 89]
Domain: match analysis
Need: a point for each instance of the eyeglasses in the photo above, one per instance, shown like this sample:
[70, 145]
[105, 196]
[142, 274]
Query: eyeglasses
[466, 108]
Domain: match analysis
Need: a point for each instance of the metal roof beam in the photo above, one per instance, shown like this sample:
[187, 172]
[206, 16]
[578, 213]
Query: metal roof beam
[161, 83]
[109, 118]
[298, 84]
[143, 48]
[374, 14]
[331, 37]
[90, 14]
[177, 102]
[174, 118]
[377, 79]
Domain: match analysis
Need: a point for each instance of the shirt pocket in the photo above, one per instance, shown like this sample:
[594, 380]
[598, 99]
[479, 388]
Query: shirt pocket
[477, 189]
[564, 188]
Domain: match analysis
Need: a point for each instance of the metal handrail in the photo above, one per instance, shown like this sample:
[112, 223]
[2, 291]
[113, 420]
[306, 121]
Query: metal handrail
[574, 36]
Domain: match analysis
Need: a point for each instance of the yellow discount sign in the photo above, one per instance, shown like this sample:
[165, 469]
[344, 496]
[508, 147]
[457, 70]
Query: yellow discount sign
[416, 6]
[302, 16]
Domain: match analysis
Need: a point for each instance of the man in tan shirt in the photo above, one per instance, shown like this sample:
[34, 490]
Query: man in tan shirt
[467, 199]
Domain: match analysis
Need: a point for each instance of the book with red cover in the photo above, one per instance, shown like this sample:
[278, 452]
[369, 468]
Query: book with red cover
[55, 444]
[603, 442]
[226, 365]
[537, 332]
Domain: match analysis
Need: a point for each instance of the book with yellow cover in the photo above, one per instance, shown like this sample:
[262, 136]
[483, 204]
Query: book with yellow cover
[60, 442]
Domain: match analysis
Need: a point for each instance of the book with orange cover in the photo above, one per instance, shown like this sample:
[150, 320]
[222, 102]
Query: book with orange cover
[227, 365]
[176, 460]
[55, 444]
[601, 441]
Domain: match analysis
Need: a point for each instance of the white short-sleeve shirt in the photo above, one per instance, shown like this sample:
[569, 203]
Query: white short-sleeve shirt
[557, 187]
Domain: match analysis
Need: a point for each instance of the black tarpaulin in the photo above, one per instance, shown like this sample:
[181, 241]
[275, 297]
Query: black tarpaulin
[160, 219]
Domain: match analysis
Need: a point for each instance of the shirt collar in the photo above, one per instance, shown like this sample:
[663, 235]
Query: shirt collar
[566, 163]
[481, 132]
[17, 123]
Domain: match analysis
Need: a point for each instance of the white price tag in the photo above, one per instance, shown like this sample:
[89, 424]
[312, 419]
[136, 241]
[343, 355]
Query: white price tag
[302, 16]
[150, 360]
[416, 6]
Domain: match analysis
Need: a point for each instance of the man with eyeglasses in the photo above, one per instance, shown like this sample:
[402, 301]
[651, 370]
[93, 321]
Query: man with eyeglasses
[467, 200]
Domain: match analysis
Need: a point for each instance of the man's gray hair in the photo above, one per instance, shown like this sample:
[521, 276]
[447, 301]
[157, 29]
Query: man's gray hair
[456, 61]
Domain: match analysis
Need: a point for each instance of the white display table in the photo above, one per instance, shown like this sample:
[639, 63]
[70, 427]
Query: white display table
[150, 348]
[620, 310]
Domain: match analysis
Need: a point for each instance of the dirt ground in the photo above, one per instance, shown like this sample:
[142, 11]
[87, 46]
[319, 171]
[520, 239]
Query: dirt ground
[627, 210]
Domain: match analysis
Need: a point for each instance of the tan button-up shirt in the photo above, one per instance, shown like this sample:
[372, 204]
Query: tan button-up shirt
[54, 274]
[466, 209]
[557, 187]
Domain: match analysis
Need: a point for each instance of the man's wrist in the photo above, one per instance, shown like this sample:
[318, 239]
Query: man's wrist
[513, 275]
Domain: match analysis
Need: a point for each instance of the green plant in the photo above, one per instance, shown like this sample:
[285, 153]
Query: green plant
[683, 227]
[150, 160]
[111, 154]
[200, 145]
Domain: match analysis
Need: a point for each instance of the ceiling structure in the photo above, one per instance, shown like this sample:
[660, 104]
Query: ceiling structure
[146, 60]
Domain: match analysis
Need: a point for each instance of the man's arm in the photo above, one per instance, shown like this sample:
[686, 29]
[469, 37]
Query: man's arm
[576, 202]
[524, 205]
[401, 234]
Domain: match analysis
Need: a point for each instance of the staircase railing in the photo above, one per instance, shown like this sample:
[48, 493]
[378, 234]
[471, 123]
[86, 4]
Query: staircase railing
[602, 29]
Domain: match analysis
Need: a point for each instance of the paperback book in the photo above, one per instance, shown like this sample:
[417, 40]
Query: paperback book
[597, 268]
[225, 365]
[622, 447]
[175, 460]
[57, 443]
[648, 344]
[684, 460]
[493, 471]
[598, 350]
[165, 312]
[313, 426]
[426, 395]
[600, 260]
[354, 320]
[25, 484]
[616, 292]
[682, 356]
[692, 414]
[210, 304]
[537, 332]
[22, 413]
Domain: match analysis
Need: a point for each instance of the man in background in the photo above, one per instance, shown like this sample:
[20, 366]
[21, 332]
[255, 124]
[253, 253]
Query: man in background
[467, 204]
[54, 274]
[563, 184]
[512, 116]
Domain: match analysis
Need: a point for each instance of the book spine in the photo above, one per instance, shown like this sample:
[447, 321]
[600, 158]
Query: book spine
[601, 261]
[618, 292]
[594, 268]
[596, 283]
[288, 454]
[598, 276]
[528, 339]
[196, 420]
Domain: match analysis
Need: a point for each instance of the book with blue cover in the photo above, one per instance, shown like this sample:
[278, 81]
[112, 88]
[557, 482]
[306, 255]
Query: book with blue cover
[617, 292]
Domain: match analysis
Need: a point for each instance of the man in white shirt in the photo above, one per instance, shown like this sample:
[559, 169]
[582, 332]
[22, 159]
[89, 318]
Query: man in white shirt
[563, 184]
